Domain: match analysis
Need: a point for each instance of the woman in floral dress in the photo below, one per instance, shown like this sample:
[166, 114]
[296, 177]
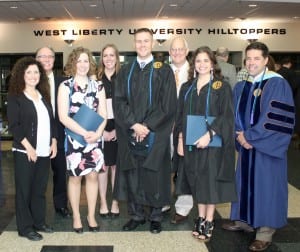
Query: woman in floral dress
[82, 160]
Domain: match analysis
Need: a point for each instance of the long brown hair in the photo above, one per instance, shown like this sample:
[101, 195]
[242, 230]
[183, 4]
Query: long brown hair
[70, 67]
[211, 56]
[17, 82]
[101, 67]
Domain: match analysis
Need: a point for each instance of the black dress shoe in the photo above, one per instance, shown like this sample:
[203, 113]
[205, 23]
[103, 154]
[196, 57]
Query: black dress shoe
[45, 228]
[155, 227]
[132, 224]
[233, 227]
[64, 212]
[78, 230]
[258, 245]
[32, 236]
[178, 218]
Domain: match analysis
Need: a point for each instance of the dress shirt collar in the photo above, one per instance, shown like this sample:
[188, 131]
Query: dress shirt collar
[147, 61]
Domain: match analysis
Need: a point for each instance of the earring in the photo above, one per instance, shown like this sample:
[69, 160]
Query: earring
[195, 74]
[211, 73]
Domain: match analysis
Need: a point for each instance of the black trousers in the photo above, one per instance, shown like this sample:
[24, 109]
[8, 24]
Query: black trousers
[59, 167]
[135, 209]
[137, 212]
[31, 183]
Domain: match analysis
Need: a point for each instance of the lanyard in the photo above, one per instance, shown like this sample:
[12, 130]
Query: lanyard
[194, 86]
[150, 81]
[237, 115]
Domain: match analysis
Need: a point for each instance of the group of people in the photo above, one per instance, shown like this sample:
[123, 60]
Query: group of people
[147, 107]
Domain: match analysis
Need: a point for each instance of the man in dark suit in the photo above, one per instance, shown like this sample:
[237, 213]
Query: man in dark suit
[288, 73]
[46, 56]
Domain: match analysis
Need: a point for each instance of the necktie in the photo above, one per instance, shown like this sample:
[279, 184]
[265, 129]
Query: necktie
[142, 64]
[177, 77]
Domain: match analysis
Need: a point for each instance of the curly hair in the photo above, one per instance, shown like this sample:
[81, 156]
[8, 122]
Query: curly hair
[17, 82]
[211, 56]
[70, 67]
[101, 67]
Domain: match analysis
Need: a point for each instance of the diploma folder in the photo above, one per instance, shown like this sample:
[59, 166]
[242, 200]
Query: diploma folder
[87, 119]
[196, 127]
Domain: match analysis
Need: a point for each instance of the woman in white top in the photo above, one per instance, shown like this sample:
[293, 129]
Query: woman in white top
[31, 123]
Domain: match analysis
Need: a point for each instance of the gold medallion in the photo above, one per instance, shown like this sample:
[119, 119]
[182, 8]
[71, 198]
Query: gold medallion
[257, 92]
[157, 64]
[217, 84]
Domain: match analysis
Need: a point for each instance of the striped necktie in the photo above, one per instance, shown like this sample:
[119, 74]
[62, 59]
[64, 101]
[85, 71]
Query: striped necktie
[177, 77]
[142, 64]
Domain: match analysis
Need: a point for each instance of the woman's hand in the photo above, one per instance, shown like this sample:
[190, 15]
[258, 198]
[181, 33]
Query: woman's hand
[203, 141]
[91, 137]
[31, 154]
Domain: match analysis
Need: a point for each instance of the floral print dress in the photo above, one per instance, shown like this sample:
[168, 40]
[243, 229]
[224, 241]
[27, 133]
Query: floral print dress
[82, 160]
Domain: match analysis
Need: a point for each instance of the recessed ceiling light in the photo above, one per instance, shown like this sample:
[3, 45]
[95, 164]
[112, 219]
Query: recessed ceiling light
[252, 5]
[98, 17]
[173, 5]
[231, 17]
[93, 5]
[31, 18]
[296, 17]
[13, 7]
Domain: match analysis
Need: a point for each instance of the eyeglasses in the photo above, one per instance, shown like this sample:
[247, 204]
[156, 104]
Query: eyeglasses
[178, 50]
[45, 56]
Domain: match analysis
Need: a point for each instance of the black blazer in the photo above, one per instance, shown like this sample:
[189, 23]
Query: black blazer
[22, 120]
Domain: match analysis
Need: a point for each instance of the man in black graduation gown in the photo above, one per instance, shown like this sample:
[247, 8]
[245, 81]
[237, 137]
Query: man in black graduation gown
[145, 104]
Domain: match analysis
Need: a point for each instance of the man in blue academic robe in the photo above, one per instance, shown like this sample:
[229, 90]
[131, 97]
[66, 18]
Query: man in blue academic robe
[264, 121]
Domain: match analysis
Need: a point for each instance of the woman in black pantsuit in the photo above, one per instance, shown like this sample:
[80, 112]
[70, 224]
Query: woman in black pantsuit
[31, 122]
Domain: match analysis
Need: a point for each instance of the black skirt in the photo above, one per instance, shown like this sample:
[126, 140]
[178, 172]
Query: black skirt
[110, 153]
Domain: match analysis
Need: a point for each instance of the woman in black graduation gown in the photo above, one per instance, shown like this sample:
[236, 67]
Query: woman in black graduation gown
[210, 170]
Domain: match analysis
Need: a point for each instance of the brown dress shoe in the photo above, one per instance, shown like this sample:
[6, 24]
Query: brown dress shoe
[178, 219]
[258, 245]
[231, 226]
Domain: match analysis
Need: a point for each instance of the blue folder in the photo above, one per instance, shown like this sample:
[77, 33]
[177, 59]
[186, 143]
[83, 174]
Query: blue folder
[196, 127]
[87, 119]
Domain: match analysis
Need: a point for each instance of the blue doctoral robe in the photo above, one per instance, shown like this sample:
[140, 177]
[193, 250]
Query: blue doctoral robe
[261, 173]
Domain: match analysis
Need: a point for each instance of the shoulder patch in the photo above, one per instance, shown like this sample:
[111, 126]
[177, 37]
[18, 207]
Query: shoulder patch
[217, 84]
[157, 64]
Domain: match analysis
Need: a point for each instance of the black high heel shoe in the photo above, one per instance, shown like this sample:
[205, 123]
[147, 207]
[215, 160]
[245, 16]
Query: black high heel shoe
[207, 231]
[78, 230]
[93, 229]
[198, 227]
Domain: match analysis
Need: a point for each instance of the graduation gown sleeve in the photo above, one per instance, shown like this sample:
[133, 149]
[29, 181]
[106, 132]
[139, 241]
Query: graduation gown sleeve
[272, 133]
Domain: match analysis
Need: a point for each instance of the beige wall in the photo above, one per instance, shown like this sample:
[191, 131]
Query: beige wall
[19, 37]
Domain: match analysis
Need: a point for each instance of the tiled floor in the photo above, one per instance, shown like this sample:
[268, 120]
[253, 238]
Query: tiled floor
[111, 238]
